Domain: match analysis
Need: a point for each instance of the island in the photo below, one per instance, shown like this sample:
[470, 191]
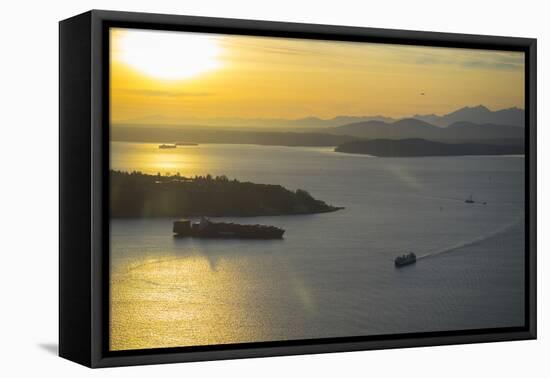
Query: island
[139, 195]
[416, 147]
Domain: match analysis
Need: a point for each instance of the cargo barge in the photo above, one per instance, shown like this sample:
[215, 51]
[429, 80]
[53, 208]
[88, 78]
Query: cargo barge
[205, 228]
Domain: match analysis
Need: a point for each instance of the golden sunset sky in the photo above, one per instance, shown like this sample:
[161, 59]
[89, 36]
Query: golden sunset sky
[175, 77]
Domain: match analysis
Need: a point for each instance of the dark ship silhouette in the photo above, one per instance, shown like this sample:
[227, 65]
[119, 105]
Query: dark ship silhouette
[471, 200]
[208, 229]
[406, 259]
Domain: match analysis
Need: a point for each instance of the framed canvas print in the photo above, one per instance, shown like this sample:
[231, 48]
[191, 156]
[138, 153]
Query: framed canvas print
[233, 188]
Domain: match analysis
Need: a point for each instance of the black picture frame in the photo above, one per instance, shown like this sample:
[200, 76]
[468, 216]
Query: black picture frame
[84, 190]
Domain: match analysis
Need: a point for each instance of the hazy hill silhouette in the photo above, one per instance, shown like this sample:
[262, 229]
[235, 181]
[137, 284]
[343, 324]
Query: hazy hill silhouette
[468, 124]
[212, 135]
[477, 114]
[304, 123]
[414, 128]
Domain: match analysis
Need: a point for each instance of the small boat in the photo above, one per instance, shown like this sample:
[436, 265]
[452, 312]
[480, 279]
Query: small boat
[469, 199]
[406, 259]
[166, 146]
[186, 144]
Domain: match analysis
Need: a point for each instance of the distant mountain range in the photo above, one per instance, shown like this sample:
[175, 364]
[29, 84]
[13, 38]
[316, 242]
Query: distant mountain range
[163, 134]
[467, 125]
[415, 128]
[273, 124]
[478, 115]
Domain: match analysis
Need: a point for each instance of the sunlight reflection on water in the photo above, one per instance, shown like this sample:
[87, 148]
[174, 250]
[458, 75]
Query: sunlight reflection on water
[333, 274]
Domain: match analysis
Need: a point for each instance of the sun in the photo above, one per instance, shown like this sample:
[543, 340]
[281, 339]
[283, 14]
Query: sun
[167, 55]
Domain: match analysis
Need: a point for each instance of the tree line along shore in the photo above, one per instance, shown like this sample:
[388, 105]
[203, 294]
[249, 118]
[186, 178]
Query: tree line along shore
[136, 194]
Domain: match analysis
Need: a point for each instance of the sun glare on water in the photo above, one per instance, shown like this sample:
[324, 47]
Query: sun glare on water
[169, 55]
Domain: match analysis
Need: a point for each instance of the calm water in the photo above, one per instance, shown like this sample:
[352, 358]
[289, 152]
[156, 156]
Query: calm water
[333, 274]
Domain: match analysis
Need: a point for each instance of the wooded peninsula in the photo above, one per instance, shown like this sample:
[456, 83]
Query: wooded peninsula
[135, 194]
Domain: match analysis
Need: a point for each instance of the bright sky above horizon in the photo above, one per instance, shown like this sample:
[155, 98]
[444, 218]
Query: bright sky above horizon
[179, 76]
